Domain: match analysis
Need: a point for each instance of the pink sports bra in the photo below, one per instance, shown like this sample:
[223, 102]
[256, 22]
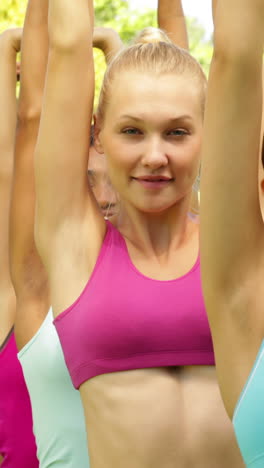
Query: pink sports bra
[17, 442]
[124, 320]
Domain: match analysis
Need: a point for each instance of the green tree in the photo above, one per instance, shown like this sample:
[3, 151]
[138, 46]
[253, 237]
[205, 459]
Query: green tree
[200, 47]
[126, 21]
[11, 13]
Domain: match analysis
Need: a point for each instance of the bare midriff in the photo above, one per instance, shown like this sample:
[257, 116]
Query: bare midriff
[158, 418]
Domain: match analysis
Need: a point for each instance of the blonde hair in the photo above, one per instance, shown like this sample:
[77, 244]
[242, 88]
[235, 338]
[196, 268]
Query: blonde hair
[157, 58]
[152, 52]
[151, 34]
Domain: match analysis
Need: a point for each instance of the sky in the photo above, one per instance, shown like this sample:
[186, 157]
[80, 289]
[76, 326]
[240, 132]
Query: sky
[198, 9]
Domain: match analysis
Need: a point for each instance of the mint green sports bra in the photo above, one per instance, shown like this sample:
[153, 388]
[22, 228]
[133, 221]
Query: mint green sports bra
[248, 418]
[58, 420]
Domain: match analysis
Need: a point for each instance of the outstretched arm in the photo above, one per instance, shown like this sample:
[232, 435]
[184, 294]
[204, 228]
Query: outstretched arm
[108, 41]
[214, 6]
[231, 224]
[66, 211]
[171, 19]
[9, 46]
[61, 153]
[29, 277]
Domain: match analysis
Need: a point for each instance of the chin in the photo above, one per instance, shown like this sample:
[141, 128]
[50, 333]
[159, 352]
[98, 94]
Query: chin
[156, 208]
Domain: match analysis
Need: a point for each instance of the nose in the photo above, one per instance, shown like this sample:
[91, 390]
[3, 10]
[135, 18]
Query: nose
[154, 155]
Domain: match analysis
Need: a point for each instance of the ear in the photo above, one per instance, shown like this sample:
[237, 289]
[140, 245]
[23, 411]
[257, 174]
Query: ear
[97, 135]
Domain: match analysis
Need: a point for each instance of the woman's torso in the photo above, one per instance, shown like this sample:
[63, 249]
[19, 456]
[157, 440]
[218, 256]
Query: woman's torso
[158, 417]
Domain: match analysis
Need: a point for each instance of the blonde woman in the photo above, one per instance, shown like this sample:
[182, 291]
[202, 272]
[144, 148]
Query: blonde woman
[126, 294]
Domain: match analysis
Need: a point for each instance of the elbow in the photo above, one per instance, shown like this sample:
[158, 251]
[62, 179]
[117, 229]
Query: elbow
[27, 114]
[63, 41]
[224, 50]
[69, 25]
[235, 63]
[235, 51]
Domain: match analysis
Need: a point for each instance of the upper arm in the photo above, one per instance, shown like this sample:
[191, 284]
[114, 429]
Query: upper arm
[171, 19]
[232, 229]
[61, 155]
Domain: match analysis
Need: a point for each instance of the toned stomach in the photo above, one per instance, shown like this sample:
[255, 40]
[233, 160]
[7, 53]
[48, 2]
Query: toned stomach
[158, 418]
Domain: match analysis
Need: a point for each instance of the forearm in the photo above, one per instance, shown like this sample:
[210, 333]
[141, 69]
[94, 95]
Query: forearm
[7, 134]
[107, 40]
[7, 99]
[171, 19]
[34, 59]
[240, 41]
[214, 6]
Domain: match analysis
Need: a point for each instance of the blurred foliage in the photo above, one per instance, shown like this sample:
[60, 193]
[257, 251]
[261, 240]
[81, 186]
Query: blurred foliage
[126, 21]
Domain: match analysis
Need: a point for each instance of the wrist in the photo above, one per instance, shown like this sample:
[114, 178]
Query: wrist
[10, 41]
[102, 37]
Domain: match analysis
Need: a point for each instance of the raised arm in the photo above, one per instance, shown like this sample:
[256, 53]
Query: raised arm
[171, 19]
[28, 275]
[9, 46]
[214, 6]
[66, 211]
[61, 152]
[231, 225]
[108, 41]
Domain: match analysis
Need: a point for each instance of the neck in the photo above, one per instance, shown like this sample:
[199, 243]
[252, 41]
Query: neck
[156, 232]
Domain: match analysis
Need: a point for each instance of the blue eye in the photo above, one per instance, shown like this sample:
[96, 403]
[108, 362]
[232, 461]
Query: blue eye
[177, 132]
[131, 131]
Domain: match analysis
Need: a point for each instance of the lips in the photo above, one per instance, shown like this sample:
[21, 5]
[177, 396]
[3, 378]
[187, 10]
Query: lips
[153, 182]
[152, 178]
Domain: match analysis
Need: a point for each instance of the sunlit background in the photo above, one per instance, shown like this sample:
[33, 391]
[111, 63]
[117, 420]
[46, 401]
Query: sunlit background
[200, 9]
[128, 17]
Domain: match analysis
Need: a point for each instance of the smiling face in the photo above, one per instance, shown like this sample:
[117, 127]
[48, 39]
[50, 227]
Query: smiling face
[151, 134]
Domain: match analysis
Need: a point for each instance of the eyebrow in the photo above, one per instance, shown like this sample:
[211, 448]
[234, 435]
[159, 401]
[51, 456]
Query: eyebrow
[173, 119]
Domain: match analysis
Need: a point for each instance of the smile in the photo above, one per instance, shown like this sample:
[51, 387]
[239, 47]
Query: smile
[153, 182]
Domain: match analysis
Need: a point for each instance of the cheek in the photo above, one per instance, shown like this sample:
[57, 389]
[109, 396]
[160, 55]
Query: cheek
[121, 158]
[187, 156]
[195, 153]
